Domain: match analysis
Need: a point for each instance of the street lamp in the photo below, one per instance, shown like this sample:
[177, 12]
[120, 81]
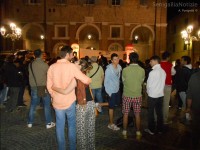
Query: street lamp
[89, 36]
[42, 37]
[188, 38]
[136, 39]
[14, 35]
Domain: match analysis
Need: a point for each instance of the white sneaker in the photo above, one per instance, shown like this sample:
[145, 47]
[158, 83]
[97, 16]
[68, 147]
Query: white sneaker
[149, 131]
[29, 125]
[138, 135]
[124, 133]
[113, 127]
[50, 125]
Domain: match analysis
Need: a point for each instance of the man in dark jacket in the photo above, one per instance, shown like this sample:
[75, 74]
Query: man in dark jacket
[193, 107]
[183, 76]
[12, 78]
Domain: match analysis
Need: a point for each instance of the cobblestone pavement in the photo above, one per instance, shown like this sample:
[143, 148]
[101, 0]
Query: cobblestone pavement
[16, 136]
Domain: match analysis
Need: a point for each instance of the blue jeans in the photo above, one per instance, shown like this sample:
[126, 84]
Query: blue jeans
[183, 99]
[97, 93]
[35, 101]
[3, 94]
[61, 115]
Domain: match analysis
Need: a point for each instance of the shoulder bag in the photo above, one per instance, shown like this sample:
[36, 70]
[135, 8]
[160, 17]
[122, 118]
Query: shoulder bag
[41, 90]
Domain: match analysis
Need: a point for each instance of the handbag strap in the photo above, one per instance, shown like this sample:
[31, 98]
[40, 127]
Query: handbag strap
[95, 72]
[33, 73]
[91, 94]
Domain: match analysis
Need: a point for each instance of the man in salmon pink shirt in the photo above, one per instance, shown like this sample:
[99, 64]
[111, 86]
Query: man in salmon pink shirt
[62, 74]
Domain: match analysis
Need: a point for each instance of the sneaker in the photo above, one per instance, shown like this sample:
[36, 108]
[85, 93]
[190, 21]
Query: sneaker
[2, 106]
[98, 106]
[50, 125]
[9, 110]
[22, 105]
[167, 123]
[138, 135]
[29, 125]
[124, 133]
[113, 127]
[149, 131]
[179, 108]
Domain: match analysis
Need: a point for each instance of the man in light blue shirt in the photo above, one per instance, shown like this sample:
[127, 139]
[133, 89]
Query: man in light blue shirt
[111, 83]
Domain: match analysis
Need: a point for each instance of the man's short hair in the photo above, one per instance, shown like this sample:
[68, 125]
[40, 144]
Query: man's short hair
[113, 55]
[38, 53]
[187, 59]
[155, 57]
[64, 50]
[165, 55]
[134, 57]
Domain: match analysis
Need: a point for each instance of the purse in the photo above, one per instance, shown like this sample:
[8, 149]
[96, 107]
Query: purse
[41, 90]
[82, 103]
[80, 93]
[95, 109]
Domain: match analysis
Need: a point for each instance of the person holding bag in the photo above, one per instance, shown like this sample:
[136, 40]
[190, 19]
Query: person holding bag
[85, 111]
[97, 76]
[38, 80]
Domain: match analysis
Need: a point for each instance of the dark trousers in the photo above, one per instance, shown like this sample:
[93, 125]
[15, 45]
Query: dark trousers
[12, 102]
[180, 103]
[195, 140]
[155, 104]
[20, 100]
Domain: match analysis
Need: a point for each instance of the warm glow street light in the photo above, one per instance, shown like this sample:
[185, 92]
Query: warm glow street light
[42, 37]
[89, 36]
[136, 37]
[186, 34]
[14, 35]
[188, 38]
[135, 40]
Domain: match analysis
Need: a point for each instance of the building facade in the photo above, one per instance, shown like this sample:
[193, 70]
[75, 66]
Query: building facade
[92, 24]
[176, 44]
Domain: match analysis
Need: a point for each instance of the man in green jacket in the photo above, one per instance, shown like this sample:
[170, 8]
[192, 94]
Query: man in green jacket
[132, 77]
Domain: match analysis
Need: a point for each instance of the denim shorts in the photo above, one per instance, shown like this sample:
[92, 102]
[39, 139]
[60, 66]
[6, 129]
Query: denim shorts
[114, 100]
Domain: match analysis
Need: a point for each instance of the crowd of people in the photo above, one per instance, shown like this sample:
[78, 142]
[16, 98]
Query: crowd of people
[75, 88]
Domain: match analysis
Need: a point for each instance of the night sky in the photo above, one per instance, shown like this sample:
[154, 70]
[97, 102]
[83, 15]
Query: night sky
[175, 10]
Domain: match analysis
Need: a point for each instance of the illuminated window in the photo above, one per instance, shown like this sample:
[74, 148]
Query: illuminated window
[185, 46]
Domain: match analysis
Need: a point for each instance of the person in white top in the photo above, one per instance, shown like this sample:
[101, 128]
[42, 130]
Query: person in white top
[155, 91]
